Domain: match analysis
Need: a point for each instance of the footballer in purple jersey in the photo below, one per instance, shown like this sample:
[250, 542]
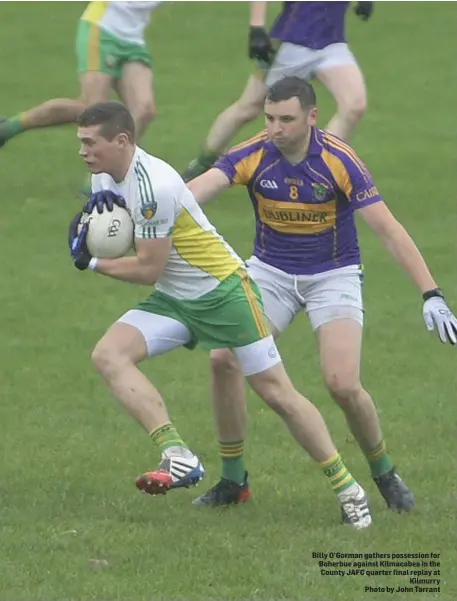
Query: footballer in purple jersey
[308, 40]
[306, 185]
[305, 212]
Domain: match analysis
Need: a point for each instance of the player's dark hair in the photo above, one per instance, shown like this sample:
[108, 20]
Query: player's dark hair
[113, 117]
[293, 87]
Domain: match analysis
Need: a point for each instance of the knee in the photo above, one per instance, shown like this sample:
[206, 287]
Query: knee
[223, 362]
[248, 111]
[354, 108]
[344, 388]
[146, 112]
[106, 359]
[276, 390]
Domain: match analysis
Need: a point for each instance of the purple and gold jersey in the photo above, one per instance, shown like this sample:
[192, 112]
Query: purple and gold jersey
[311, 24]
[305, 222]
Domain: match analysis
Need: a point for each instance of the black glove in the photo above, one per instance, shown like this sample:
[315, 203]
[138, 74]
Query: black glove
[102, 199]
[364, 10]
[260, 45]
[77, 242]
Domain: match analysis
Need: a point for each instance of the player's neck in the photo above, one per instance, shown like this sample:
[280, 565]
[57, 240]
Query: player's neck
[298, 154]
[120, 174]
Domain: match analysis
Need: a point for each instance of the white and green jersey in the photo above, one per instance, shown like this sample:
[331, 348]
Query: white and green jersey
[161, 205]
[125, 20]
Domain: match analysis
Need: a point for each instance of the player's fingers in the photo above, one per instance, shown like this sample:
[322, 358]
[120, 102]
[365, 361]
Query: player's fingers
[429, 322]
[451, 332]
[442, 331]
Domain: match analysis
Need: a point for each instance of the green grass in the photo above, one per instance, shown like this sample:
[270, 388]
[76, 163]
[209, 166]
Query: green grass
[69, 456]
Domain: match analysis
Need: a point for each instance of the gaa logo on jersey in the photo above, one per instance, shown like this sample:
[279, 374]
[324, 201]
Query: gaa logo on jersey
[320, 192]
[148, 209]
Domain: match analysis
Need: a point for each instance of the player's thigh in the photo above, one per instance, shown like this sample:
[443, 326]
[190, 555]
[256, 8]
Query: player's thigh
[136, 87]
[334, 304]
[340, 346]
[97, 56]
[160, 323]
[280, 302]
[232, 317]
[291, 59]
[95, 87]
[122, 343]
[336, 294]
[253, 96]
[339, 72]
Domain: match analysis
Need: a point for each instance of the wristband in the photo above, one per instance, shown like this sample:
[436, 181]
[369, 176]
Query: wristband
[431, 293]
[93, 264]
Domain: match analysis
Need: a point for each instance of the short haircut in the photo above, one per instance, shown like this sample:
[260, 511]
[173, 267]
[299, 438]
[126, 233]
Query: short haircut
[113, 117]
[293, 87]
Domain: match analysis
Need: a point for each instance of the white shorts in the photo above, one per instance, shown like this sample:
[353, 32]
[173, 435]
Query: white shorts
[335, 294]
[164, 334]
[292, 59]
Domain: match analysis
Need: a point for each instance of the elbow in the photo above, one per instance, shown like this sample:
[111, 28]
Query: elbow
[151, 275]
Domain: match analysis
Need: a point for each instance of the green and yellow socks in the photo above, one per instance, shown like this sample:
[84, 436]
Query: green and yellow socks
[233, 468]
[12, 127]
[166, 436]
[337, 473]
[378, 460]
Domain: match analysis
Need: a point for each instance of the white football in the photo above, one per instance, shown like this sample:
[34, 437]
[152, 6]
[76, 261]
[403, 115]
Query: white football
[110, 234]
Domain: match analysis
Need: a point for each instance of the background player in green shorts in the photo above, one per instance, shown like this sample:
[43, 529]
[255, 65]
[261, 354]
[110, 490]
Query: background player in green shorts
[111, 54]
[202, 293]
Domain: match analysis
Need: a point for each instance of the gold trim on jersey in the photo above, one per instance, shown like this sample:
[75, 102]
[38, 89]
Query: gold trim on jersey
[202, 249]
[338, 144]
[297, 217]
[246, 167]
[338, 170]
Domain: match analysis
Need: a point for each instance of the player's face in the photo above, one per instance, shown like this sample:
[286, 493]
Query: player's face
[288, 125]
[99, 154]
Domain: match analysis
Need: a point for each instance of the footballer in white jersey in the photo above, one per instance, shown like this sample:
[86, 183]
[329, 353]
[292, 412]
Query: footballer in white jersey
[162, 206]
[112, 55]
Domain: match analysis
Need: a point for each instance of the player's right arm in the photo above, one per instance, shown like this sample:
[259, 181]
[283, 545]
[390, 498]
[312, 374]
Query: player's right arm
[237, 166]
[208, 186]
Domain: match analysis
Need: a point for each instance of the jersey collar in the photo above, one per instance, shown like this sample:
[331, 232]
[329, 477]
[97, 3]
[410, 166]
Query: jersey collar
[315, 143]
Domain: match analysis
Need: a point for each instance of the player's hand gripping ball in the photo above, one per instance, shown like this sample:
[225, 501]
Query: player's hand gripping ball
[104, 229]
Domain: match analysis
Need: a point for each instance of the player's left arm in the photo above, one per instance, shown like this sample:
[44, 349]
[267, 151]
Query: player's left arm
[145, 268]
[153, 241]
[259, 44]
[399, 243]
[373, 210]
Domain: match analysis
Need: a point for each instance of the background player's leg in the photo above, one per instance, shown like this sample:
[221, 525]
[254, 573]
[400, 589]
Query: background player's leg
[340, 345]
[95, 87]
[228, 387]
[247, 108]
[229, 411]
[52, 112]
[347, 86]
[136, 90]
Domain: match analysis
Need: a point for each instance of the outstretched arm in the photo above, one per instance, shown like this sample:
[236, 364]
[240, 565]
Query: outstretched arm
[399, 243]
[208, 186]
